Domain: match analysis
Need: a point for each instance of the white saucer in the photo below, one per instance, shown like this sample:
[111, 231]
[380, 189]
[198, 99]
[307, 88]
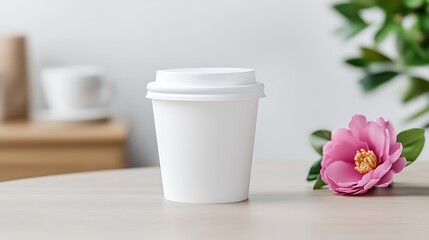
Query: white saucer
[73, 116]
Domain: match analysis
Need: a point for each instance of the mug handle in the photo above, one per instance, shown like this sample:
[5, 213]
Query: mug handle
[107, 93]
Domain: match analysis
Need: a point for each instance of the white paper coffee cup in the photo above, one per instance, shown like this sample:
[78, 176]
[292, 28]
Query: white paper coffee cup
[205, 120]
[73, 89]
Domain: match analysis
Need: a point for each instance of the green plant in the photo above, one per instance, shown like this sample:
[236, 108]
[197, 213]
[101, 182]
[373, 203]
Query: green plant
[408, 22]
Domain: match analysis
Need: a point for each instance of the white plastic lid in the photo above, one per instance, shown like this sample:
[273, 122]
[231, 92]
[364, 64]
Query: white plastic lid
[205, 84]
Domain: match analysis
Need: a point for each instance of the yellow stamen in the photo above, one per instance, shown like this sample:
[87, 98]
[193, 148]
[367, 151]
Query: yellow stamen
[365, 161]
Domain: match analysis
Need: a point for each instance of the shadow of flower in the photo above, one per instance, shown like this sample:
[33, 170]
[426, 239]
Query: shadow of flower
[400, 189]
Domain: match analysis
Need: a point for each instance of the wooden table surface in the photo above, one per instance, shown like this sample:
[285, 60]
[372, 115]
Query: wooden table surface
[128, 204]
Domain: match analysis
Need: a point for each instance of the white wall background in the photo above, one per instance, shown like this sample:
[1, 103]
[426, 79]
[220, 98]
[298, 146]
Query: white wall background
[291, 44]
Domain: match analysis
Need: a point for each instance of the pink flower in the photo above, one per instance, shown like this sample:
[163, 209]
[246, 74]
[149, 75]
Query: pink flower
[362, 156]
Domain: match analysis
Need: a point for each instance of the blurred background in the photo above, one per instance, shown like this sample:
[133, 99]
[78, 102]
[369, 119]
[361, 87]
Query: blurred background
[291, 45]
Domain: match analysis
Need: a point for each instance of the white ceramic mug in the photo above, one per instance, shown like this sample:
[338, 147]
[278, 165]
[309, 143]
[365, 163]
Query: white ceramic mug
[75, 88]
[205, 121]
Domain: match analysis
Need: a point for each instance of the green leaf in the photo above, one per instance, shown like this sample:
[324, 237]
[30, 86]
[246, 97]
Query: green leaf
[373, 55]
[389, 6]
[401, 48]
[423, 23]
[350, 11]
[318, 139]
[413, 4]
[372, 81]
[357, 62]
[413, 60]
[364, 3]
[409, 40]
[409, 57]
[418, 86]
[412, 141]
[351, 29]
[384, 31]
[319, 183]
[418, 114]
[427, 6]
[314, 170]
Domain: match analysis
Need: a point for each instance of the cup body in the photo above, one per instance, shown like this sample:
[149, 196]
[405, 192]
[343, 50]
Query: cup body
[72, 88]
[205, 120]
[205, 149]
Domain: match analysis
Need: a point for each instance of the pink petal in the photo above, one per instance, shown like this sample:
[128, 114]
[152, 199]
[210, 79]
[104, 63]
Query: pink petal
[389, 127]
[374, 136]
[386, 179]
[399, 164]
[371, 184]
[357, 123]
[385, 156]
[365, 179]
[339, 151]
[347, 184]
[361, 191]
[327, 148]
[382, 169]
[395, 151]
[342, 172]
[332, 185]
[346, 135]
[345, 191]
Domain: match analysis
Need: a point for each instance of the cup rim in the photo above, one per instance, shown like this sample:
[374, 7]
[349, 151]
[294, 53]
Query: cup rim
[76, 70]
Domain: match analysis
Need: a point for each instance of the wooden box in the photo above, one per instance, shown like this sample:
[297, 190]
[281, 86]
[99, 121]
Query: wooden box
[29, 149]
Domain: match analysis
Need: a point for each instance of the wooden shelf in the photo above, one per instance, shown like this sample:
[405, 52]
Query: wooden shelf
[29, 149]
